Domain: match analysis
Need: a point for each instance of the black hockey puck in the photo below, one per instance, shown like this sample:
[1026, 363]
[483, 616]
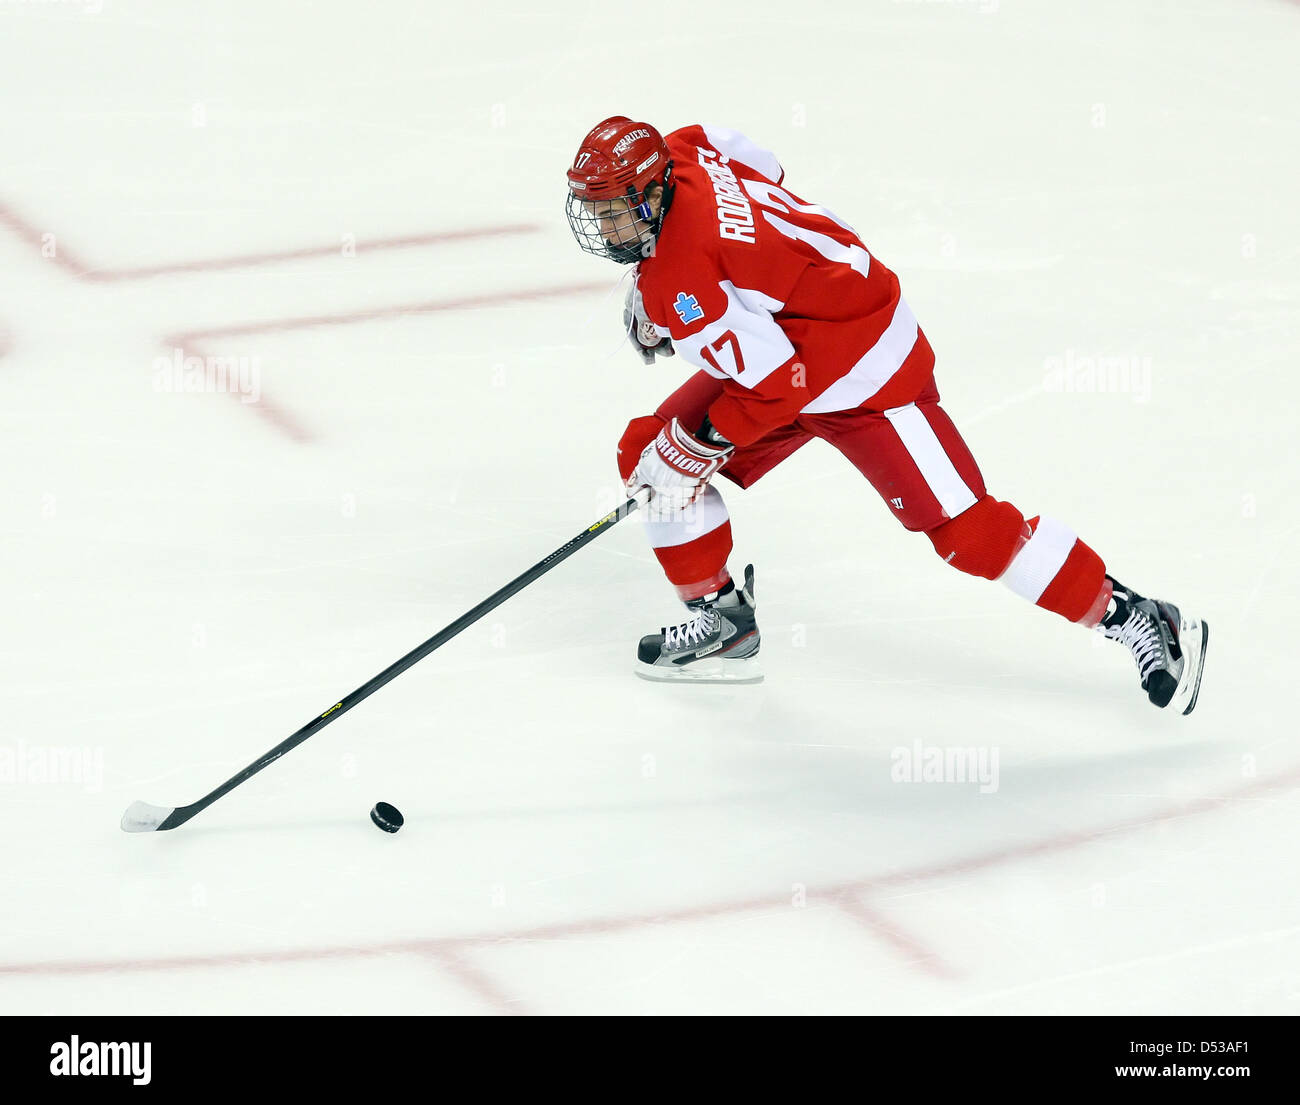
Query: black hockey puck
[389, 818]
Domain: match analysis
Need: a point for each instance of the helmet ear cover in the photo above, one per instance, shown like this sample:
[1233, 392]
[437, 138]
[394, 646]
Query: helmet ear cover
[666, 197]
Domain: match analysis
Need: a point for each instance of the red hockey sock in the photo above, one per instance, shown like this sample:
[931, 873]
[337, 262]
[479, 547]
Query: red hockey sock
[698, 567]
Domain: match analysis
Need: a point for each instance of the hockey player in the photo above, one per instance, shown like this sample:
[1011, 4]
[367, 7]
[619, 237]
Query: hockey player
[797, 332]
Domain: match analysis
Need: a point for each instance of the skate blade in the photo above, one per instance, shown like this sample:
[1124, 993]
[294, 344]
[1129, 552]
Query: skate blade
[734, 672]
[1193, 638]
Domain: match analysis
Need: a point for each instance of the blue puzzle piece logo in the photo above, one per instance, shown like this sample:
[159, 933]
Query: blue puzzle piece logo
[688, 308]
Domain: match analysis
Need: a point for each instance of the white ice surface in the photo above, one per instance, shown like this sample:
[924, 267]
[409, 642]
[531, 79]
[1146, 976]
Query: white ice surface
[185, 583]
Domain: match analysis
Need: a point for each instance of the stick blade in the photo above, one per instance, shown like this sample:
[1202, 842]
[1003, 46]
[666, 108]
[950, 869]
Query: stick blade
[140, 817]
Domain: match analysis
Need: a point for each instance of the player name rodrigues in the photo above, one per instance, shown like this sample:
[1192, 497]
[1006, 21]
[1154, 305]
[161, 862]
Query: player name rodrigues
[735, 216]
[76, 1057]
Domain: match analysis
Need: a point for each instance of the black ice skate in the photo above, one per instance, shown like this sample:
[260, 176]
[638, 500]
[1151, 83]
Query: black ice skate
[718, 645]
[1169, 647]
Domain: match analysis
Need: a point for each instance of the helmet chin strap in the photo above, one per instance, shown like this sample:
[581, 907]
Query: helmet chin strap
[665, 197]
[665, 201]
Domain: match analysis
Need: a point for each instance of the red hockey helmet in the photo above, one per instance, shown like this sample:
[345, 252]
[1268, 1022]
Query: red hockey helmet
[609, 211]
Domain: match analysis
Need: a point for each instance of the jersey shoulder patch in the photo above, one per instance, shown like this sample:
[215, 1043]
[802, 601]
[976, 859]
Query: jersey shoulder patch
[688, 308]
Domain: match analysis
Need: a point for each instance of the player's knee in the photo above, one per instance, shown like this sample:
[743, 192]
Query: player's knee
[982, 539]
[639, 433]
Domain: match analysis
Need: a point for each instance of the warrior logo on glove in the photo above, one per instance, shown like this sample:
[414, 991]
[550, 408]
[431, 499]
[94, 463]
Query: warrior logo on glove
[677, 466]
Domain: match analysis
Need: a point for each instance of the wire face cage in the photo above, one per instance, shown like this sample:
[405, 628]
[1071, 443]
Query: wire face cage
[621, 228]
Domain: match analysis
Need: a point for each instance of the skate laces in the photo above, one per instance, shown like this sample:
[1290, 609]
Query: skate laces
[693, 632]
[1142, 637]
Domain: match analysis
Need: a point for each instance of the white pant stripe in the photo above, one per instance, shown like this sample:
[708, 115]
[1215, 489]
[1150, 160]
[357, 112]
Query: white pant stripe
[1038, 561]
[924, 447]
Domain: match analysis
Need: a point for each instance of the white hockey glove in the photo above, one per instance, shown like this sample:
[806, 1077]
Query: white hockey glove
[677, 466]
[640, 330]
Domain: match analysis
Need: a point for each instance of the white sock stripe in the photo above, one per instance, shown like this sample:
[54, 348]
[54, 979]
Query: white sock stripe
[703, 516]
[936, 467]
[1038, 561]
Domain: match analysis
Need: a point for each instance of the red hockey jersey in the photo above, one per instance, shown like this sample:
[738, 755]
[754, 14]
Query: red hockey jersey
[776, 297]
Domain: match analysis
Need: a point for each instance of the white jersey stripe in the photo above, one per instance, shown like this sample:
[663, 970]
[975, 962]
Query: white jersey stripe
[1038, 561]
[874, 368]
[923, 445]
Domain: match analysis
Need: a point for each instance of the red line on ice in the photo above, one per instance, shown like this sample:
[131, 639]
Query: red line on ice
[263, 407]
[346, 318]
[250, 260]
[34, 236]
[455, 962]
[285, 422]
[273, 414]
[837, 894]
[916, 953]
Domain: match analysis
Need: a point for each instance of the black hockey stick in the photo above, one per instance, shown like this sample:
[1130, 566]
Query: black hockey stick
[141, 817]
